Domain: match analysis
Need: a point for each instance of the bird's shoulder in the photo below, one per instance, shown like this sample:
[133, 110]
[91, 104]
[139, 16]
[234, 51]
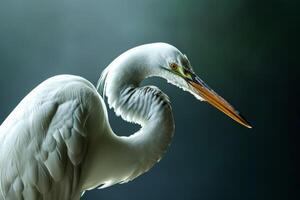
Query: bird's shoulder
[44, 140]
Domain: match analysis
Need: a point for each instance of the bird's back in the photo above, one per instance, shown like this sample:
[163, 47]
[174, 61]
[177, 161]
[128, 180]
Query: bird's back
[43, 142]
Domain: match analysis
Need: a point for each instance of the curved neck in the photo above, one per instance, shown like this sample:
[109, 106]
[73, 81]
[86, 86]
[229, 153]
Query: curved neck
[147, 106]
[150, 108]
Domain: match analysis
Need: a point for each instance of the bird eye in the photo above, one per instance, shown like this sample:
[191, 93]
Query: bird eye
[173, 66]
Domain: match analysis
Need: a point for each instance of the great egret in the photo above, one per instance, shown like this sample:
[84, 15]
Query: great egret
[57, 142]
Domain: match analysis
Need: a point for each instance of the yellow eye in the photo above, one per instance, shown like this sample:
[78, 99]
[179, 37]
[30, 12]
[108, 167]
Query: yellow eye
[173, 66]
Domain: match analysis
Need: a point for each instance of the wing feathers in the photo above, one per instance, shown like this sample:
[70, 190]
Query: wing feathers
[47, 146]
[43, 183]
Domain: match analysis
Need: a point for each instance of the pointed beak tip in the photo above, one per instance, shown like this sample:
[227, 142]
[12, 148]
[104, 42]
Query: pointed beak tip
[245, 122]
[248, 126]
[218, 102]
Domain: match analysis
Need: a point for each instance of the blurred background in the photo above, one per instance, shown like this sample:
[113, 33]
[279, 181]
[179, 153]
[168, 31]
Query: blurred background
[246, 50]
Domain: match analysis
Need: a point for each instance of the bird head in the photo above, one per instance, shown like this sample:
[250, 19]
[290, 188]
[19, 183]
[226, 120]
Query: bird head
[178, 70]
[166, 61]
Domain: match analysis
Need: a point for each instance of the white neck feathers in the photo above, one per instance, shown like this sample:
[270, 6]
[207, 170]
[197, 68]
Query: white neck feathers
[147, 105]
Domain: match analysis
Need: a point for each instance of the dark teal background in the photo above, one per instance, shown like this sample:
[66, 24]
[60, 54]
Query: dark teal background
[247, 51]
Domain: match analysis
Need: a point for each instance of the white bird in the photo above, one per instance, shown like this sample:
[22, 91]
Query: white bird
[57, 142]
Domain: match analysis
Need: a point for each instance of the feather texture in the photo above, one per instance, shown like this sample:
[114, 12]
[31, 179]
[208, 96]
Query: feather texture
[45, 143]
[57, 142]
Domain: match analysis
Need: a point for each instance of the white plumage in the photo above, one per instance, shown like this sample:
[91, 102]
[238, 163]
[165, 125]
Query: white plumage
[57, 142]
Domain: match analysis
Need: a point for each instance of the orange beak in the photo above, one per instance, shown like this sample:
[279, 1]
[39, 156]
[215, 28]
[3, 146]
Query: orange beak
[201, 89]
